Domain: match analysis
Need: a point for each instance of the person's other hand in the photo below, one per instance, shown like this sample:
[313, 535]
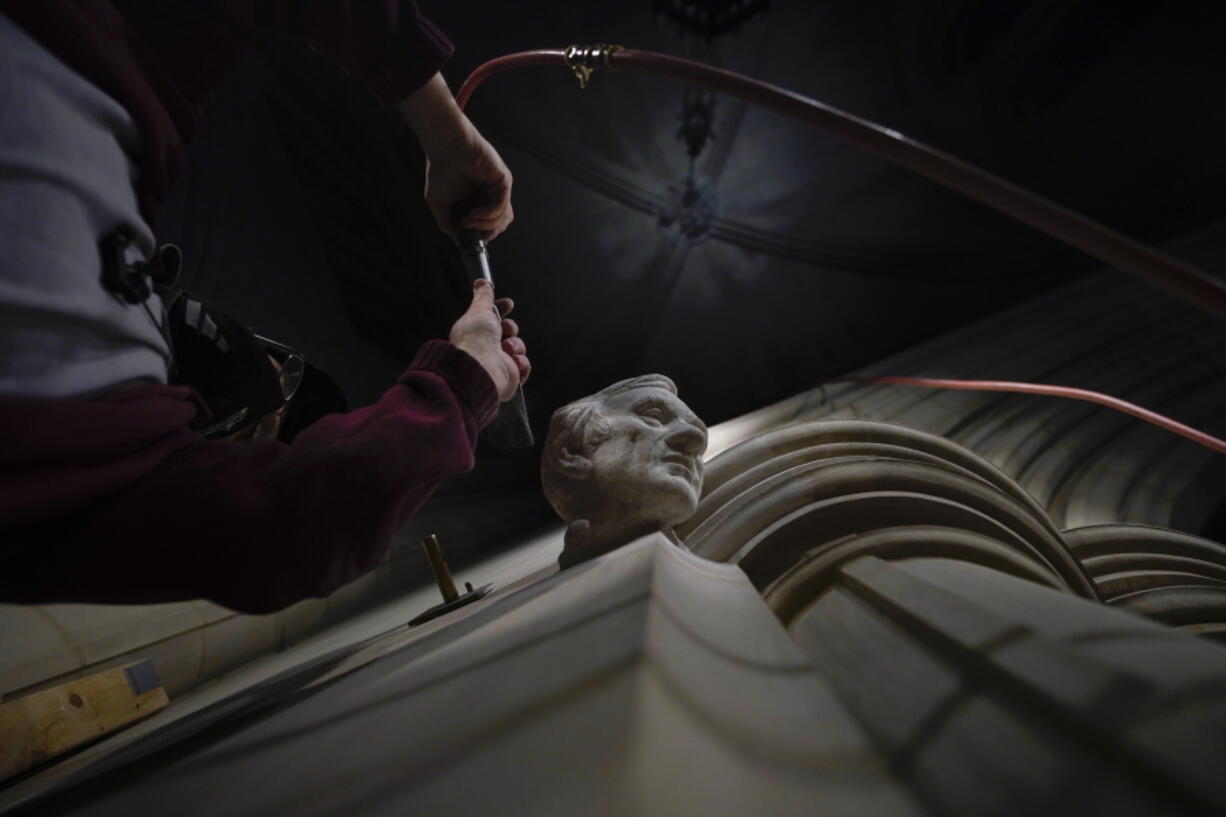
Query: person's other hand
[494, 342]
[461, 166]
[469, 170]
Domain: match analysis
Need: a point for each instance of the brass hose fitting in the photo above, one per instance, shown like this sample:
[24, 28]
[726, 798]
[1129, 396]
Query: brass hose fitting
[584, 59]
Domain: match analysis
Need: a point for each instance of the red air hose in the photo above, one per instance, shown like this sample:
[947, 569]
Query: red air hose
[1116, 403]
[1058, 222]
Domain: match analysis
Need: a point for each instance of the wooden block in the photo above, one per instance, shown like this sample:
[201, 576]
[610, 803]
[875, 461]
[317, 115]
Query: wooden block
[42, 725]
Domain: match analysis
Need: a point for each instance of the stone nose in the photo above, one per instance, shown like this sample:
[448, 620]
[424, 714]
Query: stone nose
[687, 439]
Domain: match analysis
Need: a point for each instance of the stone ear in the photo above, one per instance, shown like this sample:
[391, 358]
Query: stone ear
[574, 466]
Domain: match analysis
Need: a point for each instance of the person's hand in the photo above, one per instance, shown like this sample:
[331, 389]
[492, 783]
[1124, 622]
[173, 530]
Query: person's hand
[469, 170]
[494, 343]
[461, 166]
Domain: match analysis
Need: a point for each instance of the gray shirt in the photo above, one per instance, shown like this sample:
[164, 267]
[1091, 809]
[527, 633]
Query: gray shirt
[67, 167]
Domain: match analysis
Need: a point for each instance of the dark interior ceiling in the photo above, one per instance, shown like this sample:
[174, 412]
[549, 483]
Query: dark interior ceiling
[797, 257]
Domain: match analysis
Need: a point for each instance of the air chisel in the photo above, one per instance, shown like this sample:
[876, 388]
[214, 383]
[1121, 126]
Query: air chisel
[510, 430]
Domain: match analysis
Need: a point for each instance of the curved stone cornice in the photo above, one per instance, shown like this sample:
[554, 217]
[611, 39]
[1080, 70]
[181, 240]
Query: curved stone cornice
[791, 504]
[773, 444]
[1169, 576]
[794, 590]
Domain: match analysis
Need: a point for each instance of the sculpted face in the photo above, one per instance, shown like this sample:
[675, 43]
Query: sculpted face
[622, 463]
[650, 466]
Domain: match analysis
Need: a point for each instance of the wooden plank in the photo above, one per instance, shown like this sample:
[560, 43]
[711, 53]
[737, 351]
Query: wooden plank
[45, 724]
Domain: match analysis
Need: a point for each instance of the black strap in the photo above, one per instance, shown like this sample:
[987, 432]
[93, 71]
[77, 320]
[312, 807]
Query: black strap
[133, 281]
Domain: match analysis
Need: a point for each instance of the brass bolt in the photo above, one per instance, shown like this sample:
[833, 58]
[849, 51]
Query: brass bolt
[438, 566]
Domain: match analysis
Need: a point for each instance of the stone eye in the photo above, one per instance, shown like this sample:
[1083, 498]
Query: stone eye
[654, 413]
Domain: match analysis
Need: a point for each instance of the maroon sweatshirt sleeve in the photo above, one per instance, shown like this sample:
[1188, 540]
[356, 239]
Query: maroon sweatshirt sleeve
[254, 527]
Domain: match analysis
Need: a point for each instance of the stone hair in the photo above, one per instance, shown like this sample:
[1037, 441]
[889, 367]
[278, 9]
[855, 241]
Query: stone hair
[576, 430]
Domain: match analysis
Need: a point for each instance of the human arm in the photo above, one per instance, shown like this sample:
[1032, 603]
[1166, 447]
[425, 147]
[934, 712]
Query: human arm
[255, 527]
[116, 501]
[397, 52]
[461, 166]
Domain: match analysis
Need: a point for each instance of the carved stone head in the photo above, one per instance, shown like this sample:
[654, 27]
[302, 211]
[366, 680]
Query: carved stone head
[622, 463]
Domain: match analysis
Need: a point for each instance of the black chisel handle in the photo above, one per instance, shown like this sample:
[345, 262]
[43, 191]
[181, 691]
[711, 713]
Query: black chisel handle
[510, 430]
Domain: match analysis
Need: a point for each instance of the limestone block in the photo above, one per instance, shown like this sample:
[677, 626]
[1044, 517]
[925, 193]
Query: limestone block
[104, 631]
[995, 695]
[231, 642]
[301, 619]
[889, 682]
[35, 648]
[645, 681]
